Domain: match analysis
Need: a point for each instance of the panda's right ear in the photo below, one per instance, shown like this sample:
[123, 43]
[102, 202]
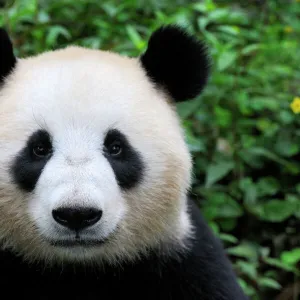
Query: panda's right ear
[7, 57]
[176, 61]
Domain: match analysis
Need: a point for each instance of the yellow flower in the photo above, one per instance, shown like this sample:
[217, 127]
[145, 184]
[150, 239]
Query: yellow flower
[288, 29]
[295, 105]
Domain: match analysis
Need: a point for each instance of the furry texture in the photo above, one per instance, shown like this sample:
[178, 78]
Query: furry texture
[7, 57]
[87, 103]
[45, 92]
[27, 168]
[176, 62]
[205, 273]
[128, 165]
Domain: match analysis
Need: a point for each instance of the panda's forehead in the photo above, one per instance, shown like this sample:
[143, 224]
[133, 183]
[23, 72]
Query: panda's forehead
[81, 86]
[76, 75]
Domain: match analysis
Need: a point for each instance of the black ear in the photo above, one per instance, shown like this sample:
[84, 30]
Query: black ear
[177, 62]
[7, 58]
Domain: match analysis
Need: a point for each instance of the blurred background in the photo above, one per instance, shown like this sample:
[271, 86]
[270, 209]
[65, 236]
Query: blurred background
[244, 131]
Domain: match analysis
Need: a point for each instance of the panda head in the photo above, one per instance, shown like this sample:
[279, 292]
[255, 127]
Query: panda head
[93, 161]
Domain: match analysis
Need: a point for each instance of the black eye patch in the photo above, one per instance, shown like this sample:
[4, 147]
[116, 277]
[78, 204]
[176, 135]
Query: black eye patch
[125, 161]
[31, 160]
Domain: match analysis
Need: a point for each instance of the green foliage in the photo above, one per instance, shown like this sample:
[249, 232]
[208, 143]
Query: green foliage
[243, 135]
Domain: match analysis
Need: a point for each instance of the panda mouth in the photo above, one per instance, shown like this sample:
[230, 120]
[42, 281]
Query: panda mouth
[81, 241]
[77, 242]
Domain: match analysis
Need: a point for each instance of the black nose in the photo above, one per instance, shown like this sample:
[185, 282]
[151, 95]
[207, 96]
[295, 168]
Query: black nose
[76, 218]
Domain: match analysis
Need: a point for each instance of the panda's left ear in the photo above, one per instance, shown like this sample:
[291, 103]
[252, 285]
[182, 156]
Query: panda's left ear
[176, 61]
[7, 57]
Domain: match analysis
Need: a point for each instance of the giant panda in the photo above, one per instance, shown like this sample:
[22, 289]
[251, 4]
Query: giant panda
[95, 175]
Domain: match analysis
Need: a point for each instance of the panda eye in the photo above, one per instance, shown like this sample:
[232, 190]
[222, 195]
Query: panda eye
[114, 144]
[115, 149]
[41, 150]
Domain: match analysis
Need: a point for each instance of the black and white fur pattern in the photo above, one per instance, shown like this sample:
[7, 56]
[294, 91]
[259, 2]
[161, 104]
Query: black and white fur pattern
[91, 131]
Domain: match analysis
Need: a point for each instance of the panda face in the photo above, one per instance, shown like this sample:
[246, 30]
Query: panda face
[92, 157]
[93, 162]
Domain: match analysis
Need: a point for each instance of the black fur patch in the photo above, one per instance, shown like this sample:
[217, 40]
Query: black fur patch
[7, 58]
[176, 61]
[128, 165]
[27, 167]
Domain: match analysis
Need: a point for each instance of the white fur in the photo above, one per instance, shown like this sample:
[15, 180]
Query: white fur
[77, 95]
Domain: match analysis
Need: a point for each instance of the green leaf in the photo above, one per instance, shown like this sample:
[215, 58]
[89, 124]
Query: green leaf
[43, 17]
[231, 210]
[55, 32]
[248, 268]
[278, 264]
[223, 116]
[244, 249]
[248, 289]
[230, 222]
[110, 9]
[250, 48]
[195, 144]
[242, 101]
[276, 211]
[186, 108]
[268, 127]
[135, 37]
[214, 227]
[294, 201]
[228, 238]
[285, 144]
[250, 191]
[298, 188]
[202, 23]
[268, 186]
[226, 59]
[262, 103]
[222, 206]
[219, 15]
[270, 155]
[291, 258]
[286, 117]
[234, 30]
[201, 7]
[269, 283]
[217, 171]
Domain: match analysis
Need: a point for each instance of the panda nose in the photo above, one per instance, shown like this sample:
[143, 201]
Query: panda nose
[76, 218]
